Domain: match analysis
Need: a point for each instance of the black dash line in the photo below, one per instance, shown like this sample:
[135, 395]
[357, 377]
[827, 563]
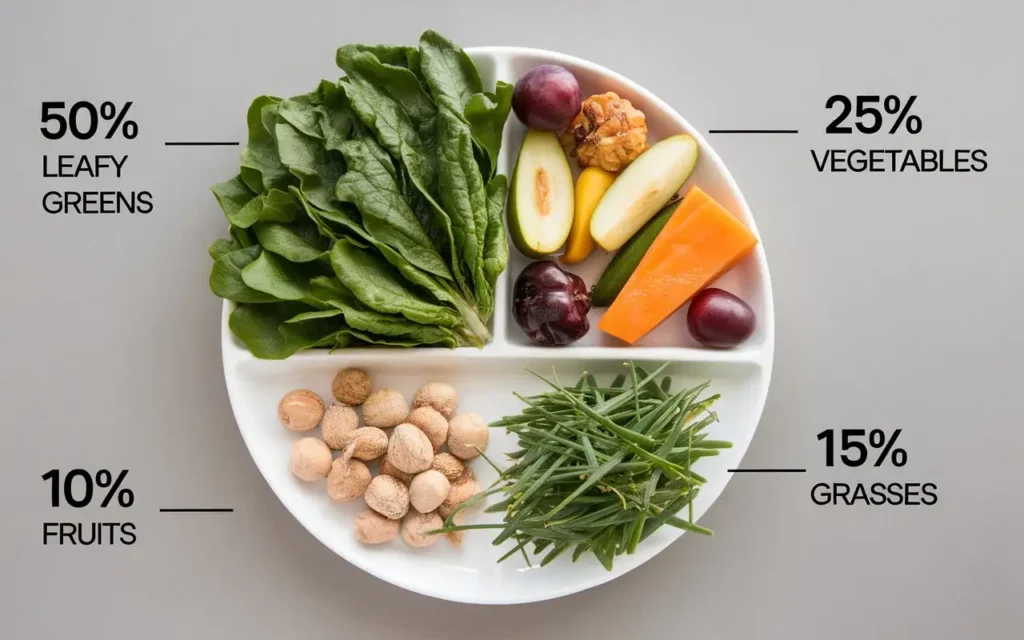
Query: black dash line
[753, 131]
[767, 470]
[196, 510]
[201, 144]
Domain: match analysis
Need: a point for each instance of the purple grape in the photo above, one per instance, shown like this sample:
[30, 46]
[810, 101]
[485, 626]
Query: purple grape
[547, 98]
[550, 305]
[719, 319]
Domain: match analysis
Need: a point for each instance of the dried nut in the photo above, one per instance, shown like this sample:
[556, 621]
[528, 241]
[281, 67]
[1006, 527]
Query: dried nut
[608, 132]
[439, 395]
[455, 538]
[366, 443]
[310, 459]
[389, 469]
[467, 491]
[428, 490]
[459, 493]
[388, 497]
[300, 410]
[338, 423]
[415, 527]
[385, 408]
[467, 474]
[449, 465]
[351, 386]
[444, 511]
[410, 449]
[347, 480]
[432, 423]
[467, 435]
[373, 528]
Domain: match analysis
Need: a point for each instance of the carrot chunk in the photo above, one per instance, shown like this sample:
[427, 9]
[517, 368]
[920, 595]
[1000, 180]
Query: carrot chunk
[700, 242]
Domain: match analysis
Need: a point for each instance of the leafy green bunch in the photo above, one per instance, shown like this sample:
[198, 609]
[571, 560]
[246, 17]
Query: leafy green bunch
[600, 469]
[369, 211]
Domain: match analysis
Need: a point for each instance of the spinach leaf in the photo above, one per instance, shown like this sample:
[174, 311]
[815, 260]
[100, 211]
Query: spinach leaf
[232, 195]
[274, 206]
[302, 112]
[323, 114]
[453, 80]
[226, 277]
[339, 340]
[454, 83]
[463, 195]
[376, 154]
[356, 335]
[391, 102]
[279, 205]
[472, 317]
[314, 315]
[296, 243]
[438, 289]
[261, 166]
[279, 278]
[439, 228]
[399, 341]
[313, 214]
[352, 231]
[223, 246]
[317, 168]
[330, 291]
[240, 236]
[377, 285]
[415, 63]
[337, 121]
[486, 114]
[396, 55]
[370, 184]
[263, 330]
[495, 243]
[449, 71]
[347, 222]
[398, 127]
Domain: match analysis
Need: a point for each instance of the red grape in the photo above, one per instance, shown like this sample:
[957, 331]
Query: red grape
[719, 319]
[547, 98]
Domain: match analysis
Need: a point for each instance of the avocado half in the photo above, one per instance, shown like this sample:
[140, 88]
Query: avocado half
[540, 206]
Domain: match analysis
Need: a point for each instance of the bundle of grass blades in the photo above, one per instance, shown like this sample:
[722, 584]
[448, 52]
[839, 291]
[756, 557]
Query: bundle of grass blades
[600, 469]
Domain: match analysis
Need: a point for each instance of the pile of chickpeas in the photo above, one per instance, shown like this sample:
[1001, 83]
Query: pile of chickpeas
[417, 485]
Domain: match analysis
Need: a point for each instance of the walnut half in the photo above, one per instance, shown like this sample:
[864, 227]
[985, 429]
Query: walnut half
[608, 132]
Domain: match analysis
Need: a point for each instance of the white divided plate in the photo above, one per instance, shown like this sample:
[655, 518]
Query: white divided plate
[485, 379]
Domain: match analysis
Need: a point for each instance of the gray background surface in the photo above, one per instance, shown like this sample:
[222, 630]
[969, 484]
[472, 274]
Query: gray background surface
[898, 300]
